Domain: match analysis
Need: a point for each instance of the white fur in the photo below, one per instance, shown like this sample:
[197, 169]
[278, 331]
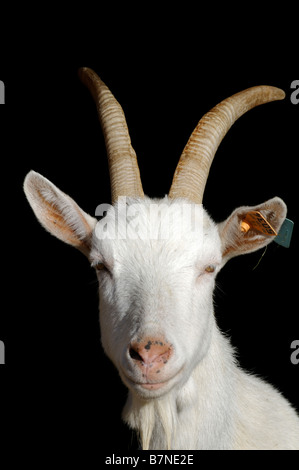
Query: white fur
[159, 287]
[156, 285]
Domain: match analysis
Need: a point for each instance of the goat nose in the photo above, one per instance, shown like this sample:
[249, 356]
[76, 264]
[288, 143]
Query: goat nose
[150, 352]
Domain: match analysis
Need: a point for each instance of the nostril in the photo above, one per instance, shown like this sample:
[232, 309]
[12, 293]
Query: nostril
[150, 351]
[134, 355]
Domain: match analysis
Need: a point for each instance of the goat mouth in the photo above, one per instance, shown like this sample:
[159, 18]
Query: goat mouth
[148, 388]
[146, 385]
[152, 386]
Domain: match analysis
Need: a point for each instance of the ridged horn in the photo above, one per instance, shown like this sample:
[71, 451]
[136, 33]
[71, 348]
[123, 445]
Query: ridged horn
[123, 167]
[194, 165]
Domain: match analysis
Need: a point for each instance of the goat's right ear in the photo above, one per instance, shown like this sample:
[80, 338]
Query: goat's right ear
[58, 213]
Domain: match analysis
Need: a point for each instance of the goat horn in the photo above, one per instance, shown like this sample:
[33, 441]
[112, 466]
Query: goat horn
[123, 167]
[193, 168]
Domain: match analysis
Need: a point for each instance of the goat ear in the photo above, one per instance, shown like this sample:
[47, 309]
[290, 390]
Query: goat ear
[249, 228]
[58, 213]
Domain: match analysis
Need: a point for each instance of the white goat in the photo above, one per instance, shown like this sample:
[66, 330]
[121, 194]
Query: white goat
[186, 390]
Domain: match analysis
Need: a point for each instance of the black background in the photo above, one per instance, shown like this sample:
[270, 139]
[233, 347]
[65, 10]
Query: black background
[57, 385]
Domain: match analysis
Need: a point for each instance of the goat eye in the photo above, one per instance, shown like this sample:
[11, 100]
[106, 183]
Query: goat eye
[210, 269]
[101, 267]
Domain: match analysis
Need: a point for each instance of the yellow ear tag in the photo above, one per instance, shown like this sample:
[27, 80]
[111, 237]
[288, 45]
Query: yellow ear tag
[257, 221]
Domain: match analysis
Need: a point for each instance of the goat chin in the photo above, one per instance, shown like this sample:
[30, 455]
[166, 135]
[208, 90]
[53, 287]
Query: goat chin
[157, 414]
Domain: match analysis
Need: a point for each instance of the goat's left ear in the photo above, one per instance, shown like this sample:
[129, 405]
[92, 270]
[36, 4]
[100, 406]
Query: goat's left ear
[59, 213]
[249, 228]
